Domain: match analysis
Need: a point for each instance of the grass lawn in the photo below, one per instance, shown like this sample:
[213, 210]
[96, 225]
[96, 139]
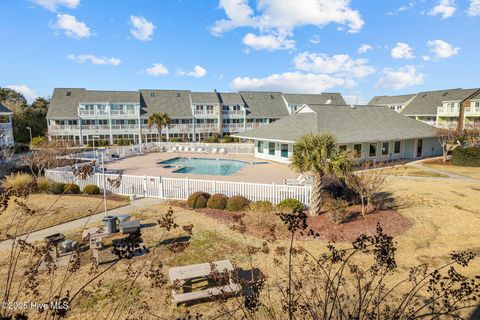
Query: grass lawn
[67, 208]
[445, 218]
[471, 172]
[410, 171]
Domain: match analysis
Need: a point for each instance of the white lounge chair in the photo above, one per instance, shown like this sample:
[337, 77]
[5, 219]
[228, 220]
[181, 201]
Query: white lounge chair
[222, 151]
[298, 180]
[192, 149]
[199, 150]
[214, 150]
[174, 149]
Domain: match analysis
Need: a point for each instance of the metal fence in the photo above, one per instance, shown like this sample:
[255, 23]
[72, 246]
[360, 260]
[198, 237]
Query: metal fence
[180, 189]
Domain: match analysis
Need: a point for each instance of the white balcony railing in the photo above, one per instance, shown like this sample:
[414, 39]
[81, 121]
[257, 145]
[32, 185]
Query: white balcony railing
[447, 125]
[65, 129]
[454, 111]
[254, 125]
[472, 111]
[6, 126]
[206, 113]
[233, 113]
[108, 113]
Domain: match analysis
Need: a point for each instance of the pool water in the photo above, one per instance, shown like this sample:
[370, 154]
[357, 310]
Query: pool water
[214, 167]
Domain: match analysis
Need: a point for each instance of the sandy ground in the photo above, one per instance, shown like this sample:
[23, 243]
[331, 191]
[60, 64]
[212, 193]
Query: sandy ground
[261, 171]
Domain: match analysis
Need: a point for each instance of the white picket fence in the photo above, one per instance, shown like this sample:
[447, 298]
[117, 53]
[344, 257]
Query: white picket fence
[180, 189]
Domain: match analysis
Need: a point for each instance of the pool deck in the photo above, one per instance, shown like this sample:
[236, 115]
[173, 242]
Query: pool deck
[260, 171]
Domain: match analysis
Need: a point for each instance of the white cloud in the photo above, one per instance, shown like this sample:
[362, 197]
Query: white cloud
[426, 58]
[401, 78]
[156, 70]
[268, 42]
[364, 48]
[442, 49]
[142, 29]
[71, 26]
[315, 39]
[198, 72]
[474, 8]
[27, 92]
[94, 60]
[280, 17]
[402, 51]
[354, 99]
[52, 5]
[340, 64]
[291, 82]
[445, 8]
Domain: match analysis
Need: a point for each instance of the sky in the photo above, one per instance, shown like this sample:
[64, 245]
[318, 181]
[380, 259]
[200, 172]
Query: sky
[360, 48]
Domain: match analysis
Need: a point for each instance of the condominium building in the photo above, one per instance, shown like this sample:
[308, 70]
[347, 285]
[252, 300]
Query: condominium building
[6, 127]
[452, 108]
[396, 103]
[79, 115]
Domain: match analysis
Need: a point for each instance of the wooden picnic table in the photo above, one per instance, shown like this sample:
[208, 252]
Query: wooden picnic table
[187, 274]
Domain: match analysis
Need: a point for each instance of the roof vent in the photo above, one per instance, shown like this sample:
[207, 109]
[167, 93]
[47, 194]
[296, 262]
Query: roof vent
[178, 94]
[424, 95]
[271, 96]
[329, 101]
[353, 106]
[69, 93]
[250, 96]
[152, 94]
[444, 94]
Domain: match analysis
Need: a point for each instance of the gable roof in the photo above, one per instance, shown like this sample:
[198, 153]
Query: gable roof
[349, 125]
[64, 103]
[477, 96]
[323, 98]
[204, 97]
[426, 103]
[231, 98]
[4, 109]
[175, 103]
[391, 100]
[264, 104]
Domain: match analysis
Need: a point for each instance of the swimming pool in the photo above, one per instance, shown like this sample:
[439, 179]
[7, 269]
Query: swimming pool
[214, 167]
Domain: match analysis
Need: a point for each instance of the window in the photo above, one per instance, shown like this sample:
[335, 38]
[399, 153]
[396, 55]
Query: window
[373, 150]
[385, 146]
[397, 147]
[357, 148]
[271, 148]
[69, 93]
[284, 150]
[260, 146]
[342, 148]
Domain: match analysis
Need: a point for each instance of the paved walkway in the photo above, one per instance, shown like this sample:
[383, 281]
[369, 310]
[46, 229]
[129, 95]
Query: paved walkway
[449, 175]
[80, 223]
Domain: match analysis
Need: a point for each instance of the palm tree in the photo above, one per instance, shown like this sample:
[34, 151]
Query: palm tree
[158, 119]
[319, 155]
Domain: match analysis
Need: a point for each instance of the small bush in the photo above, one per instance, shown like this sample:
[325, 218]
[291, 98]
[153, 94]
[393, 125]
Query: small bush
[91, 189]
[229, 139]
[210, 140]
[237, 203]
[466, 157]
[124, 142]
[56, 188]
[176, 140]
[71, 188]
[290, 205]
[343, 217]
[43, 184]
[98, 143]
[262, 206]
[217, 201]
[19, 183]
[198, 200]
[37, 142]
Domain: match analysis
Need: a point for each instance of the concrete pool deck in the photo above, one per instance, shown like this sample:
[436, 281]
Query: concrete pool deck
[261, 171]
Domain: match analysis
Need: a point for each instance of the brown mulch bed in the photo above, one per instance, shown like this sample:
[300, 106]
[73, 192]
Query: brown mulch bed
[391, 222]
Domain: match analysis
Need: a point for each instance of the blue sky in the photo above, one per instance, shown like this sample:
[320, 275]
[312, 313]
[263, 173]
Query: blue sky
[358, 47]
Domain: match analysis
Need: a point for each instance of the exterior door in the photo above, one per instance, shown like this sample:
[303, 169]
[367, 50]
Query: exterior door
[419, 148]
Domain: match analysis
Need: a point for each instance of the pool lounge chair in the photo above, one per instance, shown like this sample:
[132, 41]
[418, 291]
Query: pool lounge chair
[174, 149]
[199, 150]
[300, 180]
[214, 150]
[222, 151]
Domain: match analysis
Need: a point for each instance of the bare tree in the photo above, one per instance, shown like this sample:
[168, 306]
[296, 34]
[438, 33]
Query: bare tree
[472, 137]
[448, 140]
[7, 162]
[46, 155]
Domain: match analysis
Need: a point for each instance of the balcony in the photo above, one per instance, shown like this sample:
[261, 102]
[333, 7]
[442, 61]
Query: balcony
[448, 125]
[107, 113]
[205, 113]
[448, 111]
[7, 126]
[254, 125]
[63, 129]
[206, 127]
[472, 111]
[233, 113]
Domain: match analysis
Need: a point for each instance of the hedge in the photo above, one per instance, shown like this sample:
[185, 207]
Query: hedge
[198, 200]
[71, 188]
[56, 187]
[217, 201]
[91, 189]
[237, 203]
[466, 157]
[290, 205]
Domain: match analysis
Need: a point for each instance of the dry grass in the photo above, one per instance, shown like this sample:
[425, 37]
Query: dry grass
[410, 171]
[471, 172]
[445, 214]
[69, 207]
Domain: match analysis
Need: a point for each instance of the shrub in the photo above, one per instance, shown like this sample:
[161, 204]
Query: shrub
[466, 157]
[176, 140]
[98, 143]
[229, 139]
[237, 203]
[71, 188]
[19, 183]
[210, 140]
[91, 189]
[37, 141]
[290, 205]
[56, 188]
[43, 184]
[198, 200]
[124, 142]
[217, 201]
[262, 206]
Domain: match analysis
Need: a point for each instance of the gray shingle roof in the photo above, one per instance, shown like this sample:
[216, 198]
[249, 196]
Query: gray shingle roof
[4, 109]
[349, 125]
[63, 106]
[323, 98]
[477, 96]
[264, 104]
[110, 96]
[231, 98]
[426, 103]
[175, 103]
[204, 97]
[391, 100]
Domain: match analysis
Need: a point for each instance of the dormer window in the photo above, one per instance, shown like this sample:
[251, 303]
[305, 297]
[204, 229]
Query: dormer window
[178, 94]
[250, 96]
[69, 93]
[271, 96]
[152, 94]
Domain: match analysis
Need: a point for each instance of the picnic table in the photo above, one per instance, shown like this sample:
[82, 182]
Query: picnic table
[184, 276]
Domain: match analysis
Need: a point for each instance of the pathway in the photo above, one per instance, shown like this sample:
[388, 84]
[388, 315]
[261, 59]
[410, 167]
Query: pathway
[449, 175]
[80, 223]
